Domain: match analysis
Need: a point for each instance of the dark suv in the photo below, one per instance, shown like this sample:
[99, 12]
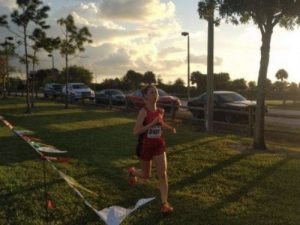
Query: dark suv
[52, 90]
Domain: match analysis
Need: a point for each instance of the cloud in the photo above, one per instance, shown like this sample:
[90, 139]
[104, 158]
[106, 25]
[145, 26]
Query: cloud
[89, 6]
[202, 59]
[119, 58]
[9, 4]
[143, 35]
[137, 11]
[165, 52]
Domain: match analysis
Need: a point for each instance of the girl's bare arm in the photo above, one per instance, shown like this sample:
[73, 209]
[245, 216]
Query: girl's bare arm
[139, 127]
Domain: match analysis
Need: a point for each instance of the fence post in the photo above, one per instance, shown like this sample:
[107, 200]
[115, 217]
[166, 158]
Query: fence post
[173, 110]
[110, 102]
[82, 98]
[250, 121]
[126, 105]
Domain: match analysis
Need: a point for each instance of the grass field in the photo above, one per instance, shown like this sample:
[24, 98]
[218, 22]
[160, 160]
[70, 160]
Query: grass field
[214, 179]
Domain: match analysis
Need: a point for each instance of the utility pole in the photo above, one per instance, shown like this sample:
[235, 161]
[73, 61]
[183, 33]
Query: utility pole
[209, 110]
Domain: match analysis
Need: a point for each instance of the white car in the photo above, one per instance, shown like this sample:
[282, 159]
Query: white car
[78, 90]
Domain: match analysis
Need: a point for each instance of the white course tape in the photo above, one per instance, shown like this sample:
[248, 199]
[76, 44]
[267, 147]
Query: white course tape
[114, 215]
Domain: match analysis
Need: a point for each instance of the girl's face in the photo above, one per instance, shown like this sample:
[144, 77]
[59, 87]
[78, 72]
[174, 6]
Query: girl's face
[152, 95]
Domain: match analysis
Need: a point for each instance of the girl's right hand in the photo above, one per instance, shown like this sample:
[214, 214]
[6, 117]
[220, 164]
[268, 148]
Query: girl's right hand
[157, 120]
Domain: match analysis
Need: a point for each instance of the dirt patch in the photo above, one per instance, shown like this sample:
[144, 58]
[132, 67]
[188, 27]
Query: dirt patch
[240, 147]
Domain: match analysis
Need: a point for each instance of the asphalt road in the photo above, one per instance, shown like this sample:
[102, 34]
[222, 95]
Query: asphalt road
[282, 117]
[283, 112]
[282, 121]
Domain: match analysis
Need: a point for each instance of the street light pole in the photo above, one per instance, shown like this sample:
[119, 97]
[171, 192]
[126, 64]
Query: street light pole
[188, 62]
[52, 60]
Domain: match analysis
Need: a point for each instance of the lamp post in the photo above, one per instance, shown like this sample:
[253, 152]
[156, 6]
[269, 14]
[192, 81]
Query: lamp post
[50, 55]
[188, 62]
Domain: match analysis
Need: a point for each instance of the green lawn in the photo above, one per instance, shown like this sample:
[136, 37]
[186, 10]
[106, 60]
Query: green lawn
[214, 179]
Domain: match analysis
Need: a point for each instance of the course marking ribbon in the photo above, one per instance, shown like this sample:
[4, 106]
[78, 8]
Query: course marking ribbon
[113, 215]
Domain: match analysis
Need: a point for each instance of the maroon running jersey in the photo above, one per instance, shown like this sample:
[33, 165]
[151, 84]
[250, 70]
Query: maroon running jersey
[151, 142]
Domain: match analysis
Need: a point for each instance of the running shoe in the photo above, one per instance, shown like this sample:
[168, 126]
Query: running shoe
[166, 208]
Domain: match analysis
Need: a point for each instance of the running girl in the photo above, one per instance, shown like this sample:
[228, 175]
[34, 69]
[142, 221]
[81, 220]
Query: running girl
[151, 145]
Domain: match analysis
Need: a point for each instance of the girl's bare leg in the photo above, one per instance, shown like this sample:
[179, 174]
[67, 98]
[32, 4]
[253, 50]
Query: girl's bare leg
[145, 171]
[161, 167]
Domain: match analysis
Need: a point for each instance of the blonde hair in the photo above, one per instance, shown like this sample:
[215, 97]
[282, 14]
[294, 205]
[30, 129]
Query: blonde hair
[145, 89]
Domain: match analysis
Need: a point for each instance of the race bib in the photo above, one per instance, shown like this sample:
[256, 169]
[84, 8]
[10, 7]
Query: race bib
[154, 132]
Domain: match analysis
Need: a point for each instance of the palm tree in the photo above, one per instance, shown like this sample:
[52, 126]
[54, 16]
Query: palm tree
[281, 75]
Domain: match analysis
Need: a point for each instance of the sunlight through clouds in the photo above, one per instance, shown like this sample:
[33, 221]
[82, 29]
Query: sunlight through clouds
[11, 4]
[145, 35]
[137, 11]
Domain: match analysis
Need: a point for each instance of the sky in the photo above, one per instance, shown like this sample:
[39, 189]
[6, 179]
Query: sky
[145, 35]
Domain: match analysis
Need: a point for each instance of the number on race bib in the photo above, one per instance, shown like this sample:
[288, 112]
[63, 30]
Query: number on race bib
[154, 132]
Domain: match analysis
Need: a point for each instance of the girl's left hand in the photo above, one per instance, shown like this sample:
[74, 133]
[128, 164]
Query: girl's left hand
[173, 130]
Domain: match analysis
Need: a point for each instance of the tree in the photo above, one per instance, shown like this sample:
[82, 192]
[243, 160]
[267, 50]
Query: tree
[133, 79]
[221, 81]
[279, 90]
[159, 80]
[281, 75]
[44, 76]
[178, 86]
[38, 38]
[200, 80]
[266, 15]
[112, 83]
[74, 40]
[149, 78]
[292, 91]
[269, 88]
[29, 11]
[3, 21]
[7, 51]
[77, 74]
[239, 85]
[252, 89]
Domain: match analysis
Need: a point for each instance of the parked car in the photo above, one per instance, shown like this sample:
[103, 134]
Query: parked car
[2, 90]
[136, 100]
[104, 96]
[78, 90]
[226, 100]
[52, 90]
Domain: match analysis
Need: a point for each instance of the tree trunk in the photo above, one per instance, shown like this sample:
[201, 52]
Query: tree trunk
[5, 76]
[28, 110]
[259, 137]
[67, 71]
[33, 80]
[67, 83]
